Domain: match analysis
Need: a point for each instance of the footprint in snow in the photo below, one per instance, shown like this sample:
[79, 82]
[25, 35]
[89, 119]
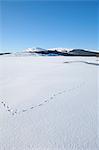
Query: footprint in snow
[46, 101]
[24, 110]
[32, 107]
[51, 97]
[10, 110]
[8, 107]
[40, 104]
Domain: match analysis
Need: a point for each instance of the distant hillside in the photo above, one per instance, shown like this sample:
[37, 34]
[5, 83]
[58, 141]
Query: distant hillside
[54, 52]
[81, 52]
[1, 53]
[62, 52]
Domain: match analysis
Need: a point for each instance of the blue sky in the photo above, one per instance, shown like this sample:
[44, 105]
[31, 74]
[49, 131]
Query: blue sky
[71, 24]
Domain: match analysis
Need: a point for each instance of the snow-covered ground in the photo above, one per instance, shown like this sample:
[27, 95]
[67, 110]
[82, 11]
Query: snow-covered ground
[49, 103]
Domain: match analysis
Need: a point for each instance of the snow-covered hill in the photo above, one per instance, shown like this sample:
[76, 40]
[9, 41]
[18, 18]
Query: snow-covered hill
[62, 51]
[55, 52]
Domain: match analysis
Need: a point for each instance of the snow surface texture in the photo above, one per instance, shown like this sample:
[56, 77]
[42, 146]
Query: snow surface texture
[49, 103]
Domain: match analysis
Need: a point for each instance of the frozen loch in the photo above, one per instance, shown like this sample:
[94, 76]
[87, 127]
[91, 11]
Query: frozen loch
[49, 103]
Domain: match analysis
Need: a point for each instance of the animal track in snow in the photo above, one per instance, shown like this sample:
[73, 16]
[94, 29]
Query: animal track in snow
[8, 108]
[15, 112]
